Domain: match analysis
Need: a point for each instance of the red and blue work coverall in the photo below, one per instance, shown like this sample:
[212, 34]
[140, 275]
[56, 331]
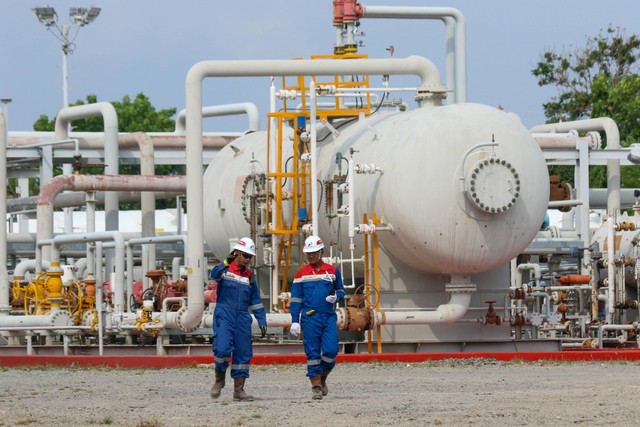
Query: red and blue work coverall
[310, 289]
[238, 293]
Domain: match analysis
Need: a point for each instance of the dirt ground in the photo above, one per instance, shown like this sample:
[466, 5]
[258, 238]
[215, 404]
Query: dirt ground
[471, 392]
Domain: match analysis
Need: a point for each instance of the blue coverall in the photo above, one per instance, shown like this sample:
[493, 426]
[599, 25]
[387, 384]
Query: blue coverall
[316, 316]
[238, 293]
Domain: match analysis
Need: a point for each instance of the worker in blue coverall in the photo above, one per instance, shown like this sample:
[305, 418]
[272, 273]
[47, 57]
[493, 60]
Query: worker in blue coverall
[316, 288]
[238, 294]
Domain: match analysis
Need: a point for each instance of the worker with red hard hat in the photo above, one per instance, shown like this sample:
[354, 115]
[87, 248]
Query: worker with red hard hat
[316, 288]
[238, 295]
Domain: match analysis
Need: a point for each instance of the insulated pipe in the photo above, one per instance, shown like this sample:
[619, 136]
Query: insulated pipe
[111, 157]
[147, 198]
[563, 140]
[160, 140]
[247, 108]
[449, 16]
[116, 237]
[445, 313]
[64, 200]
[5, 308]
[611, 282]
[195, 261]
[612, 133]
[28, 265]
[111, 183]
[315, 229]
[537, 275]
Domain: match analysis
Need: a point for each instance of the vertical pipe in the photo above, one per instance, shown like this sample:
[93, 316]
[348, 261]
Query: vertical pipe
[611, 268]
[275, 249]
[314, 157]
[5, 308]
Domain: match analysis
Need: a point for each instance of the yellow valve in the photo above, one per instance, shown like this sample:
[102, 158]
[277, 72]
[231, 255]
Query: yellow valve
[53, 284]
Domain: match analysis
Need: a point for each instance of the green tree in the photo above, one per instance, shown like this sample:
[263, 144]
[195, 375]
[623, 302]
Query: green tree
[599, 80]
[138, 115]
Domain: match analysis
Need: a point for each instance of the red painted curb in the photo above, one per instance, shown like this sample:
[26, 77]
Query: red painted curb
[162, 362]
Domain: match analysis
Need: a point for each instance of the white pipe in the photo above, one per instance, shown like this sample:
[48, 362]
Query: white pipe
[147, 198]
[537, 274]
[28, 265]
[445, 313]
[55, 317]
[611, 267]
[429, 92]
[449, 16]
[275, 243]
[613, 143]
[314, 158]
[111, 157]
[175, 265]
[5, 308]
[247, 108]
[352, 212]
[95, 140]
[116, 237]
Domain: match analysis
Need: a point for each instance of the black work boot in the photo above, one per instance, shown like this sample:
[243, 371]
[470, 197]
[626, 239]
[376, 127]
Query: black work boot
[323, 382]
[238, 390]
[316, 388]
[218, 385]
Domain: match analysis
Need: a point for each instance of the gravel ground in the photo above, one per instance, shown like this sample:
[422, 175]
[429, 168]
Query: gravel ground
[469, 392]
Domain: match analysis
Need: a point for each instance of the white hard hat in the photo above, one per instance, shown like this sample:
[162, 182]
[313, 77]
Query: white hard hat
[245, 245]
[312, 244]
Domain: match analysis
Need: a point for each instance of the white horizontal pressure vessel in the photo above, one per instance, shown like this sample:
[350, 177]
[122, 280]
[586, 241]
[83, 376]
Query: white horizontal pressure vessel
[465, 187]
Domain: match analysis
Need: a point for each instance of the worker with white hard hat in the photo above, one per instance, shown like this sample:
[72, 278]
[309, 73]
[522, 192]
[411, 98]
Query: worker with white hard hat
[238, 295]
[316, 288]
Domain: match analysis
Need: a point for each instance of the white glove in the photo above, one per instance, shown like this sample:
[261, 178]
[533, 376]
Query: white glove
[295, 329]
[331, 299]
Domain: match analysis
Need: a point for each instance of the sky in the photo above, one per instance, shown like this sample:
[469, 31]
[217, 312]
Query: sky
[149, 46]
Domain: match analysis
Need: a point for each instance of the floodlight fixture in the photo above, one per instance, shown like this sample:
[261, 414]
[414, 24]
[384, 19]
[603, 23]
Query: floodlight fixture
[46, 15]
[93, 14]
[78, 15]
[81, 16]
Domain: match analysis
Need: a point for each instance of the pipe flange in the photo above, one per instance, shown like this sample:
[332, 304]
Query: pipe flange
[181, 312]
[61, 318]
[493, 185]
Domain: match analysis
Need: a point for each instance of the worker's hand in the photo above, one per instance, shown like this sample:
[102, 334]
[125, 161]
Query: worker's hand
[263, 331]
[331, 299]
[295, 329]
[229, 259]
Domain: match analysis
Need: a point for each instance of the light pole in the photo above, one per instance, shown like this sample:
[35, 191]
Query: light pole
[78, 17]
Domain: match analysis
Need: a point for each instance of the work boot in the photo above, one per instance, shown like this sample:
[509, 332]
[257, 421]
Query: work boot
[323, 382]
[218, 385]
[238, 390]
[316, 388]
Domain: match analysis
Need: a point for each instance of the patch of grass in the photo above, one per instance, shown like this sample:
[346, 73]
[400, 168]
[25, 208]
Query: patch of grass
[238, 421]
[149, 423]
[107, 420]
[27, 421]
